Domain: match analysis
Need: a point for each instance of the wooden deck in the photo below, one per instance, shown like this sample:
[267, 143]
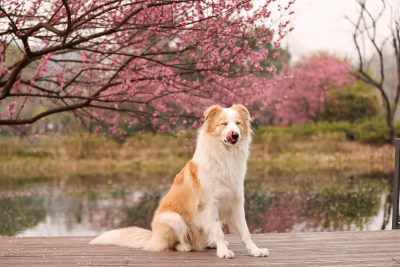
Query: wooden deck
[374, 248]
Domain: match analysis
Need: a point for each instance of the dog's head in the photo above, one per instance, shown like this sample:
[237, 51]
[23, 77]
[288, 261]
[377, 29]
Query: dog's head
[230, 125]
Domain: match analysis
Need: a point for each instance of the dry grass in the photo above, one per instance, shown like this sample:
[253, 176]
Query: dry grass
[310, 165]
[325, 154]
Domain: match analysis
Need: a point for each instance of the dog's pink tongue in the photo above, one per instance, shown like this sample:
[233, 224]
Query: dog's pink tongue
[229, 136]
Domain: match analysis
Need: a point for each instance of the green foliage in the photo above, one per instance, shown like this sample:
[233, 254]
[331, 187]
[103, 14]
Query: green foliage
[341, 130]
[368, 131]
[356, 102]
[372, 131]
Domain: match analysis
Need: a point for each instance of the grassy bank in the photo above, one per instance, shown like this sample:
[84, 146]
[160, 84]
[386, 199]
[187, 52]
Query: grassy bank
[281, 158]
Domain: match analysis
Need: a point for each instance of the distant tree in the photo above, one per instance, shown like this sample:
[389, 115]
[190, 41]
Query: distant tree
[367, 37]
[302, 97]
[125, 62]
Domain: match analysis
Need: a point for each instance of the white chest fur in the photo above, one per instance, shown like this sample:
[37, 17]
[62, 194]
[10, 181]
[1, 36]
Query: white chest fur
[221, 169]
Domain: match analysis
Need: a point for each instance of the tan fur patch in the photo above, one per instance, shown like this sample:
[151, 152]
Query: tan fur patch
[211, 112]
[213, 123]
[245, 119]
[185, 194]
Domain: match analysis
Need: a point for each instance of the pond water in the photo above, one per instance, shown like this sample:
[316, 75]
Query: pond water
[51, 207]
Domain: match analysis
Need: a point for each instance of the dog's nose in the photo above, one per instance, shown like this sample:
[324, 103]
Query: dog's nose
[235, 136]
[232, 137]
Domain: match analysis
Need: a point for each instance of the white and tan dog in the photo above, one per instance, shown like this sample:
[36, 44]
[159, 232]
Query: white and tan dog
[206, 193]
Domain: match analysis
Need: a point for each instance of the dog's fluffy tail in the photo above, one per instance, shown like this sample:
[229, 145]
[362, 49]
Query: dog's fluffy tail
[133, 237]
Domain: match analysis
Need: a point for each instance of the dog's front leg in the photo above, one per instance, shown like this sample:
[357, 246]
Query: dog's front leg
[216, 233]
[237, 223]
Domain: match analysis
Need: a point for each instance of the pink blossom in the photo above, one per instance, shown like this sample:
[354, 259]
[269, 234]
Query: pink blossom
[306, 86]
[143, 61]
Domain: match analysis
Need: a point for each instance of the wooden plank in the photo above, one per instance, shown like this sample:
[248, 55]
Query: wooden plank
[368, 248]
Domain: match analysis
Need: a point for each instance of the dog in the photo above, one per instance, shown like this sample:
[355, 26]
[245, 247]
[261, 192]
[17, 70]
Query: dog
[206, 193]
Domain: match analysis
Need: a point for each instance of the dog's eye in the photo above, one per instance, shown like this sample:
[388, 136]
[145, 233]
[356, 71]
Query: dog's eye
[223, 123]
[238, 122]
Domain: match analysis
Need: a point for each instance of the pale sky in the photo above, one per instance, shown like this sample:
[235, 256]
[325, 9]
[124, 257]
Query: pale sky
[320, 25]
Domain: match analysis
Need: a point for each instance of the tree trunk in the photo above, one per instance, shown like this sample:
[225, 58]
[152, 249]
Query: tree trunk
[392, 132]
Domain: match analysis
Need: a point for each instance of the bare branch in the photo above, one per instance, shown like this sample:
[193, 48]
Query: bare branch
[366, 26]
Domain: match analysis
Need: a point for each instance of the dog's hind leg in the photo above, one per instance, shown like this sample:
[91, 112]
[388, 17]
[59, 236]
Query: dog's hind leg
[179, 228]
[163, 238]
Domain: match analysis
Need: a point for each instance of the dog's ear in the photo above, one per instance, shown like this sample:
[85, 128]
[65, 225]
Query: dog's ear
[242, 111]
[211, 112]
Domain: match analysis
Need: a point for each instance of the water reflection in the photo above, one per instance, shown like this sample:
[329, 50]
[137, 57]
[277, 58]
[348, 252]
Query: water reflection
[20, 213]
[286, 212]
[81, 208]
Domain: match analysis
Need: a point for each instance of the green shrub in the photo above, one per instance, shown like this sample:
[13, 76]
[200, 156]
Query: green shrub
[357, 102]
[339, 130]
[369, 131]
[372, 131]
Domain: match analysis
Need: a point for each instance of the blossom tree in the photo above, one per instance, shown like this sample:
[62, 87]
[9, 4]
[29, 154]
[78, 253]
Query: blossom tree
[130, 62]
[303, 96]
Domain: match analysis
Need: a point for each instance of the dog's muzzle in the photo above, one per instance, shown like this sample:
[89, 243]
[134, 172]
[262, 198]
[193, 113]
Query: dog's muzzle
[232, 137]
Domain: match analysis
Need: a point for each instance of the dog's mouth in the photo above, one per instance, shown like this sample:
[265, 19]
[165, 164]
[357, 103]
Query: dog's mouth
[232, 137]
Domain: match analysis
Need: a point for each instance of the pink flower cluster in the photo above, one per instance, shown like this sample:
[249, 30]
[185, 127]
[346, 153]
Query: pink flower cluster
[152, 62]
[305, 86]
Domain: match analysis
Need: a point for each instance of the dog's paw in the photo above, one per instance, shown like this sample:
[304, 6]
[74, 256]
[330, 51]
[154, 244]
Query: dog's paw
[259, 252]
[213, 245]
[225, 254]
[183, 247]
